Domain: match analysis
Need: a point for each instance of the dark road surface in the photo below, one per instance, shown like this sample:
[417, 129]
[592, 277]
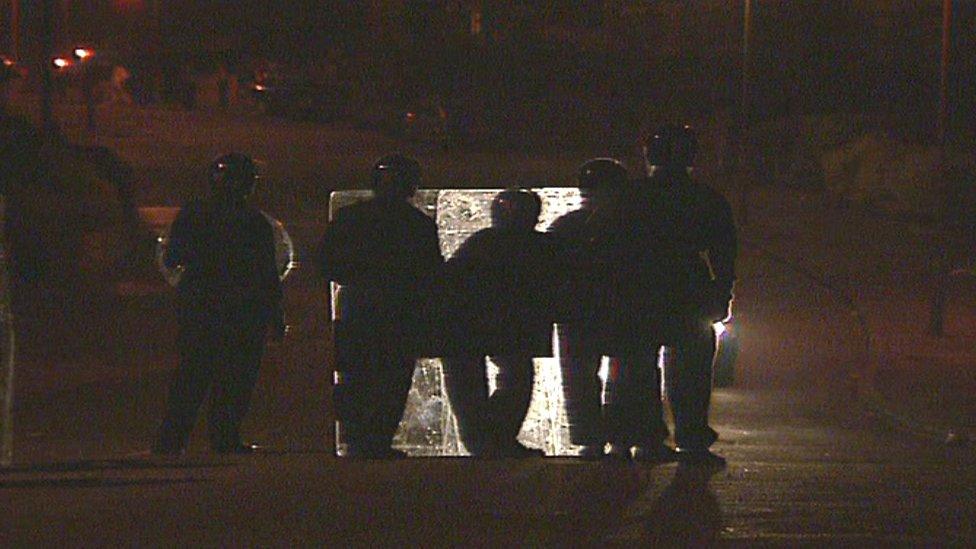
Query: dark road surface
[806, 464]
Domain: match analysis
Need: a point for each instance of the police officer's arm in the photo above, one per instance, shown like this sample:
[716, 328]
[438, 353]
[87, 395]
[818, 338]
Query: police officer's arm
[468, 256]
[334, 250]
[431, 248]
[270, 282]
[179, 250]
[723, 243]
[326, 252]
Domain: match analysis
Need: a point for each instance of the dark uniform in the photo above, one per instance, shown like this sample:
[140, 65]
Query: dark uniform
[690, 237]
[500, 287]
[695, 238]
[579, 333]
[384, 254]
[620, 296]
[588, 269]
[228, 296]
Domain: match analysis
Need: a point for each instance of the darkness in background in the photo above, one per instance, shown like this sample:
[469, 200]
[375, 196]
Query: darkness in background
[583, 71]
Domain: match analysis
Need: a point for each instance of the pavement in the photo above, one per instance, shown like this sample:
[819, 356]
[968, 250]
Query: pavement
[887, 272]
[833, 429]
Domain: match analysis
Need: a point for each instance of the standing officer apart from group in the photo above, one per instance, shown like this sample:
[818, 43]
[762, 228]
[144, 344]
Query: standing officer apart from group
[695, 240]
[384, 253]
[229, 296]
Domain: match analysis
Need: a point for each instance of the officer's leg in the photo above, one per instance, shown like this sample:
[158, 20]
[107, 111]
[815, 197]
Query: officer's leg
[690, 389]
[620, 409]
[467, 391]
[344, 386]
[231, 395]
[509, 404]
[634, 413]
[355, 354]
[190, 384]
[581, 388]
[389, 381]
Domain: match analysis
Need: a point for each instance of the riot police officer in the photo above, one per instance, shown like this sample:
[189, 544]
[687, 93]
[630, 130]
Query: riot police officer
[693, 233]
[582, 335]
[624, 296]
[228, 297]
[500, 287]
[384, 254]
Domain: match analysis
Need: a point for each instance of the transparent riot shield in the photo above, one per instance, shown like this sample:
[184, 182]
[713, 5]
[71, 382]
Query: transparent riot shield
[6, 355]
[428, 427]
[284, 251]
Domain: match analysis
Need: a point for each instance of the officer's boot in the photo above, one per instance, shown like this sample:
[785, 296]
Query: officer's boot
[508, 406]
[690, 395]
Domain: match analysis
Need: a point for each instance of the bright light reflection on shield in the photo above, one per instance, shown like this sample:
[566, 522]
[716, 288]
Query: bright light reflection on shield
[428, 426]
[284, 252]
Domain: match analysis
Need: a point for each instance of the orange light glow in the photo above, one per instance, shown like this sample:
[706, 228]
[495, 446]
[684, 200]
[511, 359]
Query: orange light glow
[61, 62]
[83, 53]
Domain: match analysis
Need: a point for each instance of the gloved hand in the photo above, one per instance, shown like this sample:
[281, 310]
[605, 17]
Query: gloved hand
[718, 305]
[278, 328]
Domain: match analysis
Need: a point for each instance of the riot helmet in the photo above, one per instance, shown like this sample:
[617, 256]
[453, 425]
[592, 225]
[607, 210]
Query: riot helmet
[395, 176]
[602, 172]
[232, 176]
[671, 146]
[598, 177]
[516, 209]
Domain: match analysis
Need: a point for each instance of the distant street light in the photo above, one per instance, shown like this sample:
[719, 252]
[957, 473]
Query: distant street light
[83, 53]
[60, 62]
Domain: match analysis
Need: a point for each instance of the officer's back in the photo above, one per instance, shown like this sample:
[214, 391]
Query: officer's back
[504, 281]
[384, 252]
[382, 243]
[685, 219]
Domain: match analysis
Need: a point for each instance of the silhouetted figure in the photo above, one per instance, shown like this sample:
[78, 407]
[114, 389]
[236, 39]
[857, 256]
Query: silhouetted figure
[21, 152]
[8, 73]
[693, 236]
[223, 87]
[384, 254]
[500, 285]
[113, 169]
[228, 297]
[632, 314]
[584, 234]
[187, 87]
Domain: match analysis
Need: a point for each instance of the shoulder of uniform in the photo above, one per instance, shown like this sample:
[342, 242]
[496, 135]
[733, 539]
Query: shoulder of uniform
[482, 234]
[352, 212]
[422, 218]
[193, 208]
[194, 204]
[353, 209]
[568, 219]
[255, 216]
[711, 193]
